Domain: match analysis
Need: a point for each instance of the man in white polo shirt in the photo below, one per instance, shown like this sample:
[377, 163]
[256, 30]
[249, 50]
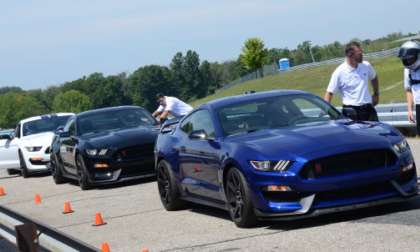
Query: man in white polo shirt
[351, 80]
[170, 106]
[409, 54]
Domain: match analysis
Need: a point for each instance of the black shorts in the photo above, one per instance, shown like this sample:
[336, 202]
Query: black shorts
[366, 112]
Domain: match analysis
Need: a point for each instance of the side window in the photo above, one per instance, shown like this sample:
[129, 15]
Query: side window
[70, 127]
[199, 120]
[307, 108]
[187, 124]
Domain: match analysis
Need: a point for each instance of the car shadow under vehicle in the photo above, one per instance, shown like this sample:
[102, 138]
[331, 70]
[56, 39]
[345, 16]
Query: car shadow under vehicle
[118, 184]
[405, 213]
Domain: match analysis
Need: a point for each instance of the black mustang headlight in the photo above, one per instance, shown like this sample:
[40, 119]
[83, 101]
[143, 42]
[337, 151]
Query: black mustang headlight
[281, 165]
[96, 152]
[401, 147]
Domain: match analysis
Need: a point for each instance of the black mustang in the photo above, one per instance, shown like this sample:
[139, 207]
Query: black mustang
[105, 146]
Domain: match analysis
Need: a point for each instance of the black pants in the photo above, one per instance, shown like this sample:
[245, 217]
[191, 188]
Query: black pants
[365, 112]
[418, 119]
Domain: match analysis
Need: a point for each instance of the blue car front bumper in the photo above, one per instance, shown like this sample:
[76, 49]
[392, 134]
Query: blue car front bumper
[309, 197]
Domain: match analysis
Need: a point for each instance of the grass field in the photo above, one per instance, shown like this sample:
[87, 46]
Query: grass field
[315, 80]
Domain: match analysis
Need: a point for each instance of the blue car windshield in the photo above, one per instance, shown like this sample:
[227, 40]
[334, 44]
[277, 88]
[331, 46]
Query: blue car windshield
[45, 124]
[275, 112]
[113, 120]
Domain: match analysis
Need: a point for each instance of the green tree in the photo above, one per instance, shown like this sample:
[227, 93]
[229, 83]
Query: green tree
[148, 81]
[194, 87]
[17, 106]
[71, 101]
[254, 55]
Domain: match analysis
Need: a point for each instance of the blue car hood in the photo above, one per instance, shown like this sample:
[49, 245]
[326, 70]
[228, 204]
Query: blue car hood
[314, 140]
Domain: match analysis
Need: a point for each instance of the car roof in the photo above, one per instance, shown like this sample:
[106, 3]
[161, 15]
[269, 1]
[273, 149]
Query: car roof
[94, 111]
[222, 102]
[44, 116]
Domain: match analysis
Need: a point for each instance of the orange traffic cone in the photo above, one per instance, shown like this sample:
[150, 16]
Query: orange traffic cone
[98, 220]
[37, 199]
[2, 192]
[105, 247]
[145, 250]
[67, 208]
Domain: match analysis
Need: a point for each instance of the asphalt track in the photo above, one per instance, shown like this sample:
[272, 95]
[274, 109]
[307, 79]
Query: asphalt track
[136, 219]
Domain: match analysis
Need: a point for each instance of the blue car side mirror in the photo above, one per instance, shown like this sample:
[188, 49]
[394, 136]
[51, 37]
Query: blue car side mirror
[198, 135]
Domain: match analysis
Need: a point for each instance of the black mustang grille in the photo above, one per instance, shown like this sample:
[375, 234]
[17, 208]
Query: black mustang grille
[348, 162]
[135, 152]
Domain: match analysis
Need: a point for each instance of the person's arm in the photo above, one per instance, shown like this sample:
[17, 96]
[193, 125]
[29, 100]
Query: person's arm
[409, 96]
[164, 114]
[156, 113]
[333, 87]
[375, 88]
[328, 96]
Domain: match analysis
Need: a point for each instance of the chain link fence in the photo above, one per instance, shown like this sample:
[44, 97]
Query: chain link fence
[273, 69]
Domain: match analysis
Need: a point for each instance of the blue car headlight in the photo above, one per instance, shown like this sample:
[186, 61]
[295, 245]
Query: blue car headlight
[281, 165]
[401, 147]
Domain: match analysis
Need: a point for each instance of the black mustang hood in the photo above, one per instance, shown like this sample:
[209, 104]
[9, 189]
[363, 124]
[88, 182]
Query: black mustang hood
[121, 138]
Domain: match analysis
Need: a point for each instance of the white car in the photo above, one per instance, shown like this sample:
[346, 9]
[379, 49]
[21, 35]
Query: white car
[9, 158]
[32, 141]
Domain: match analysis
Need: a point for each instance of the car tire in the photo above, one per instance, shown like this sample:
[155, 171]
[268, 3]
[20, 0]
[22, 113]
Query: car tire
[12, 172]
[56, 171]
[238, 197]
[23, 169]
[82, 173]
[168, 188]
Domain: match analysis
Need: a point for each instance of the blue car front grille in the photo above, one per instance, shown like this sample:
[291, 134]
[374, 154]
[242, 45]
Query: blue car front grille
[348, 163]
[355, 192]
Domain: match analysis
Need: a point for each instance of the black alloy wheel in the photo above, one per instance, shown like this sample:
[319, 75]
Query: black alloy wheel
[240, 206]
[56, 171]
[168, 190]
[82, 173]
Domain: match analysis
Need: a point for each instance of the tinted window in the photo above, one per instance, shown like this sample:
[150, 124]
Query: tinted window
[199, 120]
[275, 112]
[113, 120]
[45, 124]
[70, 127]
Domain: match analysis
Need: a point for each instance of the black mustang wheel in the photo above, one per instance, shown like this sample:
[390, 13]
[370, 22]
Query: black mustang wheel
[168, 190]
[56, 170]
[238, 197]
[81, 171]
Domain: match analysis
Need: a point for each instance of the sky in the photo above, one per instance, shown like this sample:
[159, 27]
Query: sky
[49, 42]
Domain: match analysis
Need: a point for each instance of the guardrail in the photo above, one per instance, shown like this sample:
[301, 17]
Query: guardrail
[395, 114]
[47, 238]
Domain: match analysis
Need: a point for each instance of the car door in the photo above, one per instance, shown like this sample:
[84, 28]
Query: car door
[9, 158]
[199, 158]
[68, 146]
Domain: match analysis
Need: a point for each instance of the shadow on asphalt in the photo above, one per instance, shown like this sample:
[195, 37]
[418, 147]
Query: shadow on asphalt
[396, 213]
[118, 184]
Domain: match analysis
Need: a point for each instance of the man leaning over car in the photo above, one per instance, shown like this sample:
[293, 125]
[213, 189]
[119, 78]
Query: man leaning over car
[170, 106]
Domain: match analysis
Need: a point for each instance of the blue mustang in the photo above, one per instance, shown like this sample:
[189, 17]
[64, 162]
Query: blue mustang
[280, 154]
